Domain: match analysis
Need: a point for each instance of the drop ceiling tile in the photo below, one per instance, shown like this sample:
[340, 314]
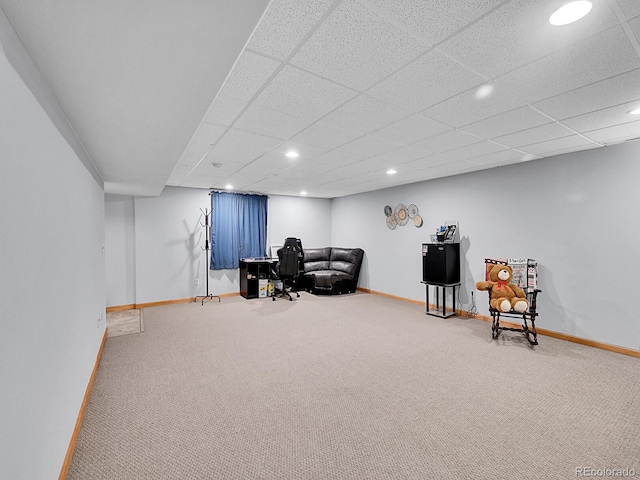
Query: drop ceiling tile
[635, 27]
[437, 19]
[400, 155]
[310, 171]
[615, 134]
[446, 141]
[497, 43]
[630, 8]
[465, 108]
[550, 131]
[613, 91]
[368, 146]
[475, 150]
[240, 147]
[267, 121]
[599, 57]
[504, 157]
[453, 168]
[249, 74]
[430, 79]
[356, 47]
[293, 91]
[410, 130]
[275, 161]
[508, 122]
[277, 35]
[305, 151]
[559, 146]
[269, 183]
[202, 142]
[225, 110]
[324, 135]
[337, 158]
[240, 180]
[602, 118]
[425, 162]
[366, 114]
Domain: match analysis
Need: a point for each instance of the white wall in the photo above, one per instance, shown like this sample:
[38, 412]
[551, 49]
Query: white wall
[120, 250]
[51, 280]
[575, 214]
[159, 241]
[308, 219]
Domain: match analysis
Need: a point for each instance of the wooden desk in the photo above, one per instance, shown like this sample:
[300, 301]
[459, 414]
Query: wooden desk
[252, 270]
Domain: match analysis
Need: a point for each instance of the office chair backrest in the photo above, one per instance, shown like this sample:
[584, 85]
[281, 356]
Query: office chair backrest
[288, 257]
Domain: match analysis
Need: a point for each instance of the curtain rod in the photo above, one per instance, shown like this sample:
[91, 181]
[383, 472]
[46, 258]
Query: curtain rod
[241, 193]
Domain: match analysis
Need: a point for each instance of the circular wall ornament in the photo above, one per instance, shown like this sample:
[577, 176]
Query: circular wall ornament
[388, 210]
[391, 222]
[402, 217]
[417, 221]
[412, 210]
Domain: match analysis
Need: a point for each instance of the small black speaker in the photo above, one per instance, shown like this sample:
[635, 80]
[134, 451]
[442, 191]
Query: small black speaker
[441, 263]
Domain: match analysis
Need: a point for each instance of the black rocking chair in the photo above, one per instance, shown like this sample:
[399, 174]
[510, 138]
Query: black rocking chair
[530, 315]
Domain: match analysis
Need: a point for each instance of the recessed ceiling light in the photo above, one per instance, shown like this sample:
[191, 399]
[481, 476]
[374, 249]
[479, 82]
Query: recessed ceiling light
[635, 111]
[292, 154]
[570, 12]
[391, 171]
[228, 186]
[303, 192]
[484, 91]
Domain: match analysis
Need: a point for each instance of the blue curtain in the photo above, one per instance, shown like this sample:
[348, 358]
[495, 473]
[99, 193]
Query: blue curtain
[238, 228]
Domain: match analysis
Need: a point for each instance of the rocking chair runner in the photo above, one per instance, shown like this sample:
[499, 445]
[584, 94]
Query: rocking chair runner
[530, 315]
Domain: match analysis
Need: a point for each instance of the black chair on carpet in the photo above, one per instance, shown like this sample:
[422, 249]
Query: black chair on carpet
[290, 257]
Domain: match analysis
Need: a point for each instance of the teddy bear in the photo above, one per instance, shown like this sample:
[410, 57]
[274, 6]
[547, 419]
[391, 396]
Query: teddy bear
[505, 296]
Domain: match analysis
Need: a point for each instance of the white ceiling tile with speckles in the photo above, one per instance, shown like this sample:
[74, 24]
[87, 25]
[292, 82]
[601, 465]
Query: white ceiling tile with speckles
[508, 24]
[267, 121]
[285, 24]
[435, 20]
[432, 78]
[294, 90]
[602, 118]
[357, 48]
[613, 91]
[324, 135]
[446, 141]
[599, 57]
[411, 129]
[365, 114]
[630, 8]
[550, 131]
[559, 145]
[615, 134]
[249, 75]
[508, 122]
[225, 110]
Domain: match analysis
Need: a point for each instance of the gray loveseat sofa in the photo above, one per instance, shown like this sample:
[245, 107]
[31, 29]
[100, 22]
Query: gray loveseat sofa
[331, 269]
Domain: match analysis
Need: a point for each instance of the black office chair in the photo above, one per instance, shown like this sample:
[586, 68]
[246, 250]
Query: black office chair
[288, 268]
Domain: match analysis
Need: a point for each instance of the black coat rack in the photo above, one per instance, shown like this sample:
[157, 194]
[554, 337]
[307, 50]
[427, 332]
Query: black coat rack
[207, 231]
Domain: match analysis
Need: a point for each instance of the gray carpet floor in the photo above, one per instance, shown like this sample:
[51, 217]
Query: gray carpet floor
[351, 387]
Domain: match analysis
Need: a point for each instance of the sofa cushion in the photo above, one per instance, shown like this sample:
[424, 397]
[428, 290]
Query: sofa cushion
[326, 279]
[344, 260]
[316, 259]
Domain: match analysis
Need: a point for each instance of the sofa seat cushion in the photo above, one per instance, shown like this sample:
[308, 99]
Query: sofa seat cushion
[328, 278]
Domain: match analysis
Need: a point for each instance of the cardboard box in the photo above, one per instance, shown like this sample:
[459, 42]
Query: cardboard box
[263, 286]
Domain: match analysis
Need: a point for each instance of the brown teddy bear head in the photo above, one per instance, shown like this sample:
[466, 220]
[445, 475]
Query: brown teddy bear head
[501, 273]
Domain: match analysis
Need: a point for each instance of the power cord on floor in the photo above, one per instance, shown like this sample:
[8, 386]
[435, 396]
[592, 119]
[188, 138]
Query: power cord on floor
[472, 312]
